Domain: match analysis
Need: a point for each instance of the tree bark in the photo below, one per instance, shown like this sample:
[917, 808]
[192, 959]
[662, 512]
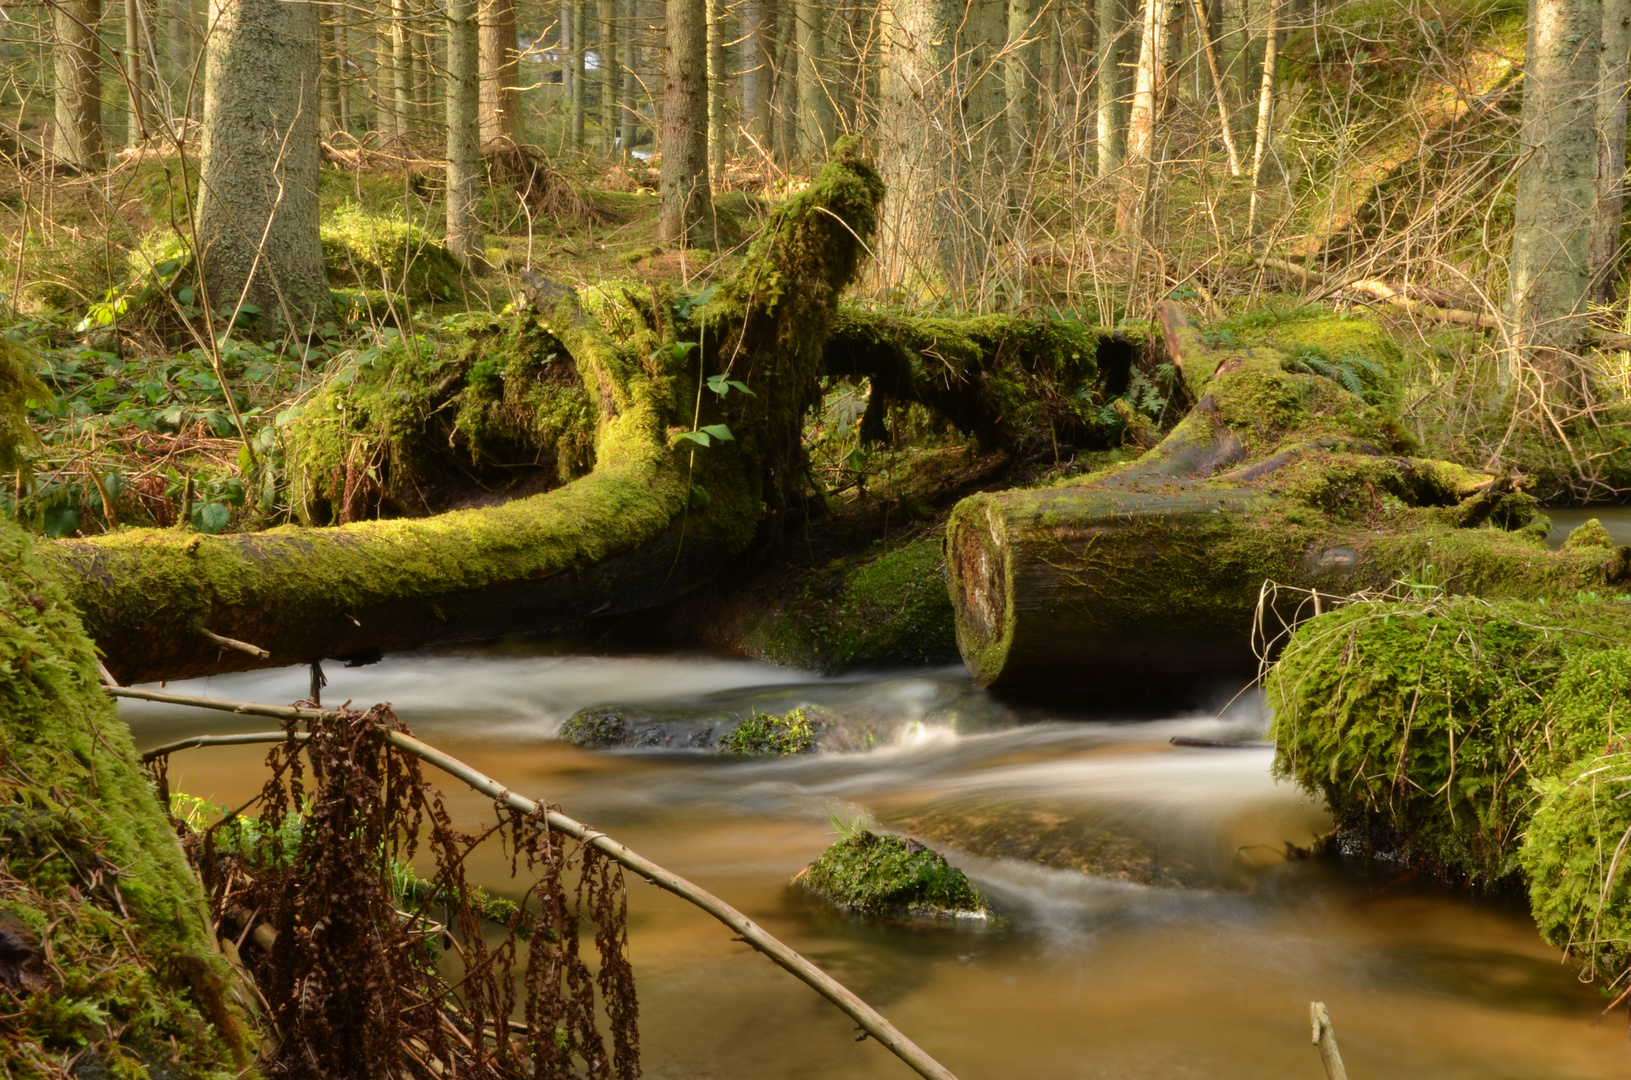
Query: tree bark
[1265, 109]
[401, 70]
[1611, 133]
[718, 86]
[1111, 80]
[815, 111]
[751, 63]
[1147, 84]
[1156, 568]
[1024, 68]
[138, 74]
[917, 124]
[631, 534]
[257, 233]
[330, 116]
[464, 164]
[500, 74]
[685, 213]
[1551, 272]
[1220, 91]
[76, 63]
[611, 74]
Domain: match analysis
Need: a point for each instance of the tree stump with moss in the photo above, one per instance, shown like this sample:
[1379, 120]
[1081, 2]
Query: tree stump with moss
[868, 874]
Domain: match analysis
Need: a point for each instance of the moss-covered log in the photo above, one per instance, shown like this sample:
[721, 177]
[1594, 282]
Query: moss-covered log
[649, 521]
[105, 940]
[1290, 468]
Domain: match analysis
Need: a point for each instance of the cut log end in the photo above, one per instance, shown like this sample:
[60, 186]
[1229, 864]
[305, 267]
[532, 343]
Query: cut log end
[979, 578]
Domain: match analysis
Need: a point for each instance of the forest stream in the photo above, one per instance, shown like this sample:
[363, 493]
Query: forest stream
[1208, 972]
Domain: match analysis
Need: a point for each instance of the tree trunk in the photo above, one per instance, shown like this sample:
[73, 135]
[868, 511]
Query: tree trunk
[630, 535]
[580, 84]
[77, 68]
[330, 116]
[179, 46]
[629, 111]
[1024, 68]
[817, 120]
[718, 85]
[567, 43]
[1220, 91]
[685, 212]
[500, 74]
[611, 75]
[1611, 131]
[464, 164]
[751, 61]
[1111, 84]
[138, 75]
[916, 154]
[257, 232]
[1557, 175]
[787, 82]
[401, 70]
[1147, 84]
[981, 37]
[1265, 109]
[1156, 568]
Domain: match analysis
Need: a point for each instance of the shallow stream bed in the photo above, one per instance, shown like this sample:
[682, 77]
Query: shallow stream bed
[1207, 973]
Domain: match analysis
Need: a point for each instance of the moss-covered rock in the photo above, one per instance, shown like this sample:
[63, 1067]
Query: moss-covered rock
[770, 735]
[1423, 724]
[870, 874]
[596, 728]
[1588, 534]
[98, 906]
[369, 250]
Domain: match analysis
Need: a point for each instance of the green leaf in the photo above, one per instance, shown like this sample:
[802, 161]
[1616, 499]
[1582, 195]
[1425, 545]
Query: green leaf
[720, 432]
[167, 267]
[699, 437]
[185, 296]
[249, 309]
[60, 521]
[699, 498]
[211, 518]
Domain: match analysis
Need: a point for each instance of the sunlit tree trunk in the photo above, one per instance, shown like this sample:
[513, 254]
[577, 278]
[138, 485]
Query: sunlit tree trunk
[1207, 35]
[1111, 83]
[629, 113]
[329, 13]
[1265, 108]
[1025, 39]
[464, 237]
[1557, 174]
[718, 84]
[77, 69]
[1147, 80]
[918, 118]
[1611, 131]
[178, 45]
[685, 203]
[610, 73]
[138, 74]
[500, 73]
[401, 69]
[257, 212]
[787, 84]
[580, 84]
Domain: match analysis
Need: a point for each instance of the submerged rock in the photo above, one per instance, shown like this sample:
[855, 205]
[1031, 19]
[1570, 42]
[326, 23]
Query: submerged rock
[869, 874]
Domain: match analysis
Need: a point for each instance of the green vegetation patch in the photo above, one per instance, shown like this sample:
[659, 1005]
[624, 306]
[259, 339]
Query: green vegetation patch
[1424, 723]
[368, 250]
[769, 735]
[871, 874]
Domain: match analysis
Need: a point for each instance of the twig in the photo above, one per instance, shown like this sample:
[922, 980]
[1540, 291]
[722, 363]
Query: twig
[1326, 1039]
[1387, 292]
[870, 1020]
[234, 643]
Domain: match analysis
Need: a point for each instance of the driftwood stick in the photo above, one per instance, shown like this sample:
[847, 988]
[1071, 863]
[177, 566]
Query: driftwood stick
[233, 643]
[870, 1020]
[1387, 292]
[1326, 1039]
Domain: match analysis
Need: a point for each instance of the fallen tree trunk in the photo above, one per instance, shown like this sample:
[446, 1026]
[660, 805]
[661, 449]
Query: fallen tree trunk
[1277, 474]
[649, 521]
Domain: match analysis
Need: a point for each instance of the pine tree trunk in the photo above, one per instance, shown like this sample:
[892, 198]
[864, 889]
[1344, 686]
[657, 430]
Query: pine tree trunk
[628, 100]
[815, 115]
[567, 42]
[1025, 39]
[500, 74]
[138, 76]
[981, 37]
[1111, 80]
[464, 166]
[920, 110]
[1557, 176]
[685, 205]
[1265, 109]
[257, 230]
[329, 13]
[718, 84]
[611, 72]
[751, 60]
[179, 46]
[580, 84]
[401, 70]
[1611, 132]
[77, 68]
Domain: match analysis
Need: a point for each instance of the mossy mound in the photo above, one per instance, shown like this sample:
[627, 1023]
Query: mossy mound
[1588, 534]
[869, 874]
[1424, 723]
[108, 949]
[366, 250]
[403, 428]
[595, 729]
[1351, 350]
[770, 735]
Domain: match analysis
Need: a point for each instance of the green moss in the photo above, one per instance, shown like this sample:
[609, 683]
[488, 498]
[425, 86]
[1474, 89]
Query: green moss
[595, 728]
[1423, 723]
[90, 863]
[19, 385]
[891, 875]
[370, 250]
[1588, 534]
[1354, 351]
[769, 735]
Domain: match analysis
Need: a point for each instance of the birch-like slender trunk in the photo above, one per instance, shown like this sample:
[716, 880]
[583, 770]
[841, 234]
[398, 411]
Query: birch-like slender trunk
[1611, 131]
[1147, 83]
[1265, 108]
[580, 85]
[718, 84]
[463, 98]
[611, 72]
[1220, 91]
[1551, 272]
[500, 74]
[1111, 82]
[257, 232]
[77, 69]
[685, 200]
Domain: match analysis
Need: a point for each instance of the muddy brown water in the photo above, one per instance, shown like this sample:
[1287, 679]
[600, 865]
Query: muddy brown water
[1085, 976]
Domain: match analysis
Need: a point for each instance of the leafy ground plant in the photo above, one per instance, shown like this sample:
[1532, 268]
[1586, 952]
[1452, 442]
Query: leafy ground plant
[871, 874]
[769, 735]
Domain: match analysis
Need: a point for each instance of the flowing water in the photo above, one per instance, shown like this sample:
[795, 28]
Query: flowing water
[1207, 973]
[1616, 519]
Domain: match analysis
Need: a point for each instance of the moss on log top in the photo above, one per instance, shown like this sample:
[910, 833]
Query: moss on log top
[869, 874]
[105, 922]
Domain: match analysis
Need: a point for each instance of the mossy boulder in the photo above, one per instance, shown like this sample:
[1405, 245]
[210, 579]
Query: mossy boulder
[1588, 534]
[1425, 723]
[103, 922]
[871, 874]
[367, 250]
[596, 728]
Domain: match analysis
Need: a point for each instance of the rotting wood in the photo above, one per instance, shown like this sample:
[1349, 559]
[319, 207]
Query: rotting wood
[1416, 299]
[1325, 1038]
[872, 1022]
[233, 643]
